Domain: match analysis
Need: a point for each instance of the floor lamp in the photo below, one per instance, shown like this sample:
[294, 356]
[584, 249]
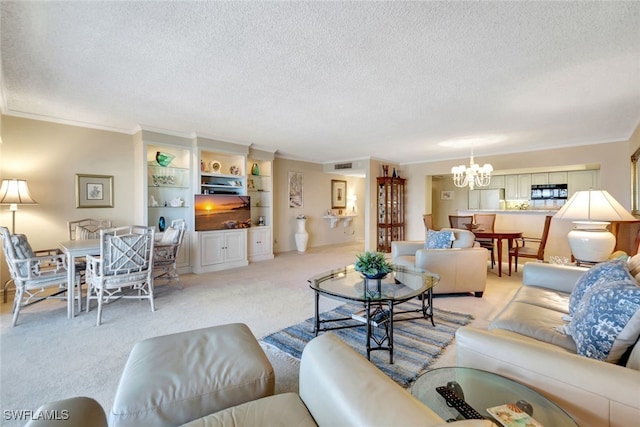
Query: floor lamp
[14, 192]
[591, 211]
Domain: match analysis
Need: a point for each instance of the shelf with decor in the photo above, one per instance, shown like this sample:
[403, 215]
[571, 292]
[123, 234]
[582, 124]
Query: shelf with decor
[260, 191]
[222, 173]
[168, 185]
[391, 211]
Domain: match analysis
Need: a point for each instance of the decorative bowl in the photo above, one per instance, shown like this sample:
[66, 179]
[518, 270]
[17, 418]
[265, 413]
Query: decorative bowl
[164, 159]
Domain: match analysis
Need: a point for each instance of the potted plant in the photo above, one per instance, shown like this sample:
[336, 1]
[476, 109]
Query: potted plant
[373, 265]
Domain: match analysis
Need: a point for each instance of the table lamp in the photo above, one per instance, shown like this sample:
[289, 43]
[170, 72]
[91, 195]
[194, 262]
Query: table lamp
[14, 192]
[591, 211]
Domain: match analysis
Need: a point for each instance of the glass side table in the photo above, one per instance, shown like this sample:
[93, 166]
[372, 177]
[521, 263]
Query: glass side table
[482, 390]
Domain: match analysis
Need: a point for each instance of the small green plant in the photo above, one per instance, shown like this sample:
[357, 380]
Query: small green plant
[372, 264]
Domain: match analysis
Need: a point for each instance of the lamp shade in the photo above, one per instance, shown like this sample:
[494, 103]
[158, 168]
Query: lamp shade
[593, 205]
[15, 191]
[591, 211]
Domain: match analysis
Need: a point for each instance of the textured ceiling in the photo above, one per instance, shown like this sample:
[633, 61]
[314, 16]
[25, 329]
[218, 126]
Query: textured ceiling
[331, 81]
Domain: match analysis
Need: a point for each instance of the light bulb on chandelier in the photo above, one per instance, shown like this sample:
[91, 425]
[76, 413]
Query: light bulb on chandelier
[472, 176]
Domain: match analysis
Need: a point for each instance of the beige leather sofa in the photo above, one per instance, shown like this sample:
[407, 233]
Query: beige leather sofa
[523, 344]
[462, 269]
[338, 387]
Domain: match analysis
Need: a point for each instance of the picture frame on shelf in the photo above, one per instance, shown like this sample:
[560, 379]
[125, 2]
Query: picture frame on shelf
[338, 194]
[94, 191]
[296, 199]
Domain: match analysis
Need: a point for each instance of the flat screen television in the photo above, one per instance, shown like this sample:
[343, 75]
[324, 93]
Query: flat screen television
[222, 212]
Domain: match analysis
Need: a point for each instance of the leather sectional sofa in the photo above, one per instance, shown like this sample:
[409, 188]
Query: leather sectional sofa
[527, 343]
[462, 268]
[338, 387]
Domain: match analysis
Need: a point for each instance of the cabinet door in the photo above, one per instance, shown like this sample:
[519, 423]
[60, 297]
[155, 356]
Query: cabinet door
[474, 199]
[557, 177]
[259, 241]
[497, 181]
[235, 246]
[582, 180]
[539, 178]
[212, 248]
[511, 187]
[524, 186]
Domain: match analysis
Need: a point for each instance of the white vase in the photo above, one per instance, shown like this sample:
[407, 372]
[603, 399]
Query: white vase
[302, 237]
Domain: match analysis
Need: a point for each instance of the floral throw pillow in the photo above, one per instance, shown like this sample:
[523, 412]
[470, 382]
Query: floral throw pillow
[605, 271]
[439, 239]
[607, 320]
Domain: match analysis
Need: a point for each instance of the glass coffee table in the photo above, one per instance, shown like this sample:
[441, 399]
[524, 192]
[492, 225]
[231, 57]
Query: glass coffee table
[379, 298]
[482, 390]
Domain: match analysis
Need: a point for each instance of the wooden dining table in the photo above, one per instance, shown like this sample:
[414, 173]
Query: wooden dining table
[499, 235]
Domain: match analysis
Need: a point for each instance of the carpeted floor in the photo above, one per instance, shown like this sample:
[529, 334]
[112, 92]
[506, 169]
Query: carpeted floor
[416, 342]
[49, 357]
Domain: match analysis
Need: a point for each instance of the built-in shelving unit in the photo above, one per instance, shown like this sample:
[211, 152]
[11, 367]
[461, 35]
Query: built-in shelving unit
[222, 173]
[165, 192]
[260, 191]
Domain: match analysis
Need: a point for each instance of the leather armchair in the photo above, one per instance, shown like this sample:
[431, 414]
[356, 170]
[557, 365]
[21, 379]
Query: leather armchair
[462, 269]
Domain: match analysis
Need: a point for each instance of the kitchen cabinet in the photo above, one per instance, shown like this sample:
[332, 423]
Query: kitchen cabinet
[583, 180]
[218, 250]
[518, 187]
[497, 181]
[260, 243]
[558, 178]
[539, 178]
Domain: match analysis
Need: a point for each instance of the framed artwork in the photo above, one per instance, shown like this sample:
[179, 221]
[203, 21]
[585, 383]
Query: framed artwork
[94, 191]
[446, 195]
[338, 194]
[295, 190]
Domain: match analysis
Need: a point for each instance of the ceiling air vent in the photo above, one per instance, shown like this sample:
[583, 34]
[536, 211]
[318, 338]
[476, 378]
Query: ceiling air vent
[339, 166]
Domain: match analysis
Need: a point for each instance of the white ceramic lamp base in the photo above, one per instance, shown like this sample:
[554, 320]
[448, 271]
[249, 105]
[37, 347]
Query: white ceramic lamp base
[591, 242]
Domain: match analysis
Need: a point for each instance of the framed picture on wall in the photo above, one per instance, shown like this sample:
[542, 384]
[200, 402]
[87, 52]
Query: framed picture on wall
[338, 194]
[446, 195]
[94, 191]
[295, 190]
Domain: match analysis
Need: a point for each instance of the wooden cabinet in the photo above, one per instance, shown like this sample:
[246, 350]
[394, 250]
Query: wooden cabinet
[218, 250]
[390, 211]
[260, 243]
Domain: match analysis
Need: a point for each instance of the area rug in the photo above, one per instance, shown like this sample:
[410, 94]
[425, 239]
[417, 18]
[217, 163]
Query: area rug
[417, 343]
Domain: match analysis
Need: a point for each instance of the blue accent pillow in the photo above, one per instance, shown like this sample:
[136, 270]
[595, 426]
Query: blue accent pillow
[607, 320]
[606, 271]
[439, 239]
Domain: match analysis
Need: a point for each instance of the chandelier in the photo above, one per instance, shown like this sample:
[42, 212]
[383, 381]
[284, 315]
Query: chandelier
[472, 176]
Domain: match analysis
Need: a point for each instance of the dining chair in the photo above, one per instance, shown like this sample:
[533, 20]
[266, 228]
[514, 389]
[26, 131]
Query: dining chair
[521, 250]
[87, 228]
[427, 219]
[84, 229]
[125, 261]
[34, 273]
[460, 221]
[486, 222]
[165, 252]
